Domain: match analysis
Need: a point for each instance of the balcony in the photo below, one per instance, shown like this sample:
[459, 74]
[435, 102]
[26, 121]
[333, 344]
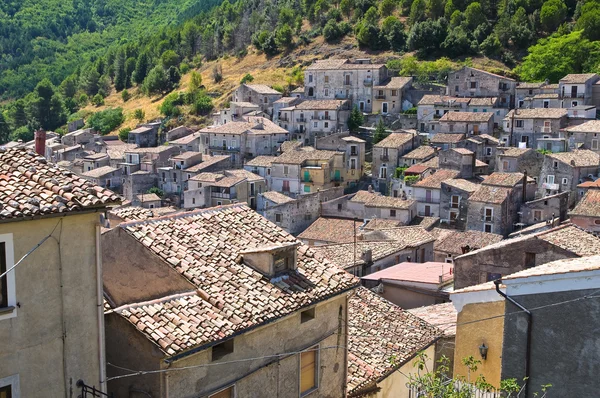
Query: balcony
[384, 157]
[224, 148]
[284, 119]
[337, 179]
[343, 96]
[368, 82]
[221, 195]
[552, 187]
[571, 95]
[380, 97]
[301, 120]
[423, 199]
[487, 219]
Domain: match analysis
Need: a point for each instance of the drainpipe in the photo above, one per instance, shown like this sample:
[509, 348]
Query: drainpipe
[529, 329]
[100, 309]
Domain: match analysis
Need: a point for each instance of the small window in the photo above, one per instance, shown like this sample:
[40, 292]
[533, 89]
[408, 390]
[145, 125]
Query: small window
[492, 276]
[488, 228]
[285, 170]
[529, 260]
[392, 213]
[473, 84]
[488, 214]
[222, 349]
[308, 370]
[307, 315]
[226, 393]
[307, 217]
[278, 217]
[519, 123]
[455, 201]
[326, 79]
[339, 207]
[555, 164]
[537, 215]
[488, 151]
[193, 201]
[565, 181]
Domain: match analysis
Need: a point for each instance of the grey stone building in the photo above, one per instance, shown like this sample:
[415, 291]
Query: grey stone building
[345, 79]
[576, 89]
[549, 208]
[138, 182]
[446, 140]
[485, 148]
[387, 154]
[528, 125]
[354, 149]
[519, 160]
[418, 155]
[106, 176]
[258, 94]
[459, 159]
[562, 172]
[512, 255]
[389, 97]
[585, 135]
[471, 82]
[144, 135]
[495, 205]
[468, 123]
[454, 200]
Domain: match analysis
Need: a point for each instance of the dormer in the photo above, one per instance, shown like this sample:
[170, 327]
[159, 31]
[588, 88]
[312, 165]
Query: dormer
[271, 260]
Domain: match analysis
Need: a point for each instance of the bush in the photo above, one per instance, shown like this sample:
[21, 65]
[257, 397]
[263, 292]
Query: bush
[83, 100]
[23, 133]
[125, 95]
[184, 68]
[98, 100]
[157, 191]
[203, 106]
[217, 73]
[169, 107]
[410, 180]
[106, 121]
[124, 134]
[248, 78]
[278, 87]
[139, 114]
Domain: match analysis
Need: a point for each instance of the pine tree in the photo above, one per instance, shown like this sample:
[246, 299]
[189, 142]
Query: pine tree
[120, 75]
[380, 132]
[355, 120]
[141, 68]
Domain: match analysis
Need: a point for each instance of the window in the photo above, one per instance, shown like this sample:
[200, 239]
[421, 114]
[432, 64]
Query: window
[339, 207]
[7, 283]
[310, 78]
[574, 104]
[488, 228]
[546, 104]
[537, 215]
[488, 214]
[316, 124]
[456, 87]
[595, 145]
[327, 92]
[521, 103]
[473, 85]
[6, 392]
[492, 276]
[326, 125]
[565, 181]
[394, 93]
[278, 217]
[307, 315]
[308, 370]
[220, 350]
[488, 151]
[326, 79]
[285, 170]
[9, 387]
[219, 203]
[307, 188]
[383, 172]
[453, 215]
[454, 201]
[529, 260]
[555, 164]
[519, 123]
[550, 179]
[226, 393]
[392, 213]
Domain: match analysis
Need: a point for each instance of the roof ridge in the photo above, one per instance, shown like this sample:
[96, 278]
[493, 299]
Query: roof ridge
[159, 300]
[175, 216]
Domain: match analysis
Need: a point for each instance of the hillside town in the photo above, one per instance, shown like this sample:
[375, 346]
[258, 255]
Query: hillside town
[333, 242]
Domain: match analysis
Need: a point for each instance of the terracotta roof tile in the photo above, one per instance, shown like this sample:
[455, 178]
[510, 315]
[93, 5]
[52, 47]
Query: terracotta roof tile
[503, 179]
[364, 196]
[381, 223]
[573, 239]
[467, 117]
[421, 152]
[206, 247]
[462, 184]
[537, 113]
[379, 331]
[453, 241]
[394, 140]
[208, 161]
[577, 158]
[443, 316]
[398, 82]
[342, 254]
[137, 213]
[589, 205]
[262, 89]
[435, 180]
[334, 230]
[261, 161]
[513, 152]
[447, 138]
[590, 126]
[490, 194]
[428, 272]
[277, 197]
[411, 236]
[99, 172]
[390, 202]
[321, 104]
[578, 78]
[30, 186]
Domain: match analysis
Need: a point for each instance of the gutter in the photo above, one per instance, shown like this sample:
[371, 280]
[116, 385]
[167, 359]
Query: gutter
[529, 331]
[100, 309]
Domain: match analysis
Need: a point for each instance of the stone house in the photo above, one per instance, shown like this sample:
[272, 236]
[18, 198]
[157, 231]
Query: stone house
[446, 140]
[344, 79]
[295, 215]
[243, 140]
[264, 297]
[218, 189]
[191, 143]
[354, 150]
[82, 137]
[519, 160]
[147, 201]
[93, 161]
[70, 153]
[528, 125]
[576, 89]
[451, 244]
[427, 192]
[414, 237]
[487, 313]
[106, 177]
[138, 182]
[51, 320]
[145, 135]
[261, 165]
[236, 112]
[485, 148]
[380, 330]
[525, 91]
[390, 208]
[172, 179]
[454, 200]
[412, 285]
[389, 96]
[387, 154]
[459, 159]
[311, 119]
[471, 82]
[516, 254]
[548, 209]
[563, 171]
[585, 135]
[329, 230]
[418, 155]
[494, 207]
[177, 133]
[468, 123]
[488, 104]
[283, 102]
[586, 214]
[348, 206]
[149, 159]
[432, 107]
[257, 94]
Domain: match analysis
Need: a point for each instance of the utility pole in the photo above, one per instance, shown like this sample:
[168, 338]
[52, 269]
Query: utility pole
[512, 126]
[354, 256]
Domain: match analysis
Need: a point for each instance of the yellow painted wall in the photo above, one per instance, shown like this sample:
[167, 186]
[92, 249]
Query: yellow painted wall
[470, 336]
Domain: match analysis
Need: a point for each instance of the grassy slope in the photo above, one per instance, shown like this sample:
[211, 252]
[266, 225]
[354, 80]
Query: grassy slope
[264, 70]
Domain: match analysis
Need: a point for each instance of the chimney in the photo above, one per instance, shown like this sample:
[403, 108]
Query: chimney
[367, 256]
[524, 198]
[40, 142]
[370, 188]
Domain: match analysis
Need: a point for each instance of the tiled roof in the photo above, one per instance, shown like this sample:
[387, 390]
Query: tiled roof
[185, 140]
[261, 161]
[262, 89]
[454, 241]
[487, 137]
[513, 152]
[117, 152]
[381, 223]
[320, 104]
[537, 113]
[379, 331]
[301, 156]
[147, 197]
[441, 315]
[462, 184]
[590, 126]
[527, 85]
[96, 156]
[487, 73]
[546, 96]
[573, 239]
[244, 104]
[462, 151]
[364, 196]
[590, 184]
[208, 177]
[334, 230]
[490, 194]
[426, 222]
[589, 205]
[30, 186]
[186, 155]
[503, 179]
[467, 117]
[277, 197]
[254, 125]
[207, 161]
[565, 266]
[421, 152]
[435, 180]
[228, 181]
[396, 83]
[416, 169]
[394, 140]
[342, 254]
[577, 78]
[485, 101]
[290, 145]
[157, 149]
[244, 174]
[433, 163]
[429, 272]
[99, 172]
[206, 247]
[389, 202]
[577, 158]
[136, 213]
[411, 236]
[433, 99]
[447, 138]
[341, 64]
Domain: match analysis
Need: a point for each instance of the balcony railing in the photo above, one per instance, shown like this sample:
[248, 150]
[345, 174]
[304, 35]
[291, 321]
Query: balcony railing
[552, 187]
[284, 119]
[309, 179]
[301, 120]
[224, 148]
[222, 195]
[380, 97]
[571, 95]
[368, 82]
[424, 199]
[384, 157]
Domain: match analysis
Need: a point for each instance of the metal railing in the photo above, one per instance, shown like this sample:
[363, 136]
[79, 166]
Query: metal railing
[91, 391]
[301, 120]
[423, 199]
[224, 148]
[384, 157]
[380, 97]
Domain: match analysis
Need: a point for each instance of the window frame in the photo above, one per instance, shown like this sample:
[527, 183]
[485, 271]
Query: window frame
[10, 311]
[316, 349]
[233, 390]
[14, 383]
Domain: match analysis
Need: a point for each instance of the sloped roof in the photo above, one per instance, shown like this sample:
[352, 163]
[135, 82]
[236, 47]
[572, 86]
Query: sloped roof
[344, 256]
[453, 241]
[443, 316]
[261, 161]
[503, 179]
[577, 158]
[590, 126]
[447, 138]
[513, 152]
[490, 194]
[411, 236]
[467, 117]
[435, 180]
[428, 272]
[277, 197]
[537, 113]
[564, 266]
[422, 152]
[262, 89]
[589, 205]
[394, 140]
[30, 186]
[389, 202]
[334, 230]
[379, 331]
[462, 184]
[578, 78]
[206, 248]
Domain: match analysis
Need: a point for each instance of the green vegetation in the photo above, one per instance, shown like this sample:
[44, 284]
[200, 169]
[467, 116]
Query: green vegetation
[124, 134]
[380, 132]
[106, 121]
[157, 191]
[355, 120]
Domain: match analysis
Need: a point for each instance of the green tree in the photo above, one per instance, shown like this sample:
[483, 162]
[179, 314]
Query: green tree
[106, 121]
[139, 114]
[45, 106]
[89, 80]
[156, 82]
[141, 68]
[98, 100]
[202, 106]
[159, 192]
[449, 9]
[428, 36]
[169, 58]
[355, 120]
[248, 78]
[68, 87]
[589, 21]
[371, 17]
[474, 15]
[380, 132]
[125, 96]
[23, 133]
[491, 45]
[435, 8]
[129, 70]
[553, 13]
[346, 8]
[418, 10]
[4, 129]
[284, 38]
[124, 134]
[190, 37]
[387, 7]
[120, 74]
[392, 30]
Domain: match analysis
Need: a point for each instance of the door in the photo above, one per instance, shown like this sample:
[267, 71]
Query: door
[427, 211]
[337, 176]
[422, 255]
[384, 107]
[475, 129]
[428, 196]
[286, 186]
[306, 176]
[573, 91]
[361, 106]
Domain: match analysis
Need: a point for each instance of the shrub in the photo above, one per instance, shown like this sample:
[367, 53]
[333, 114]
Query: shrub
[107, 120]
[98, 100]
[139, 114]
[124, 134]
[247, 78]
[125, 95]
[184, 68]
[203, 105]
